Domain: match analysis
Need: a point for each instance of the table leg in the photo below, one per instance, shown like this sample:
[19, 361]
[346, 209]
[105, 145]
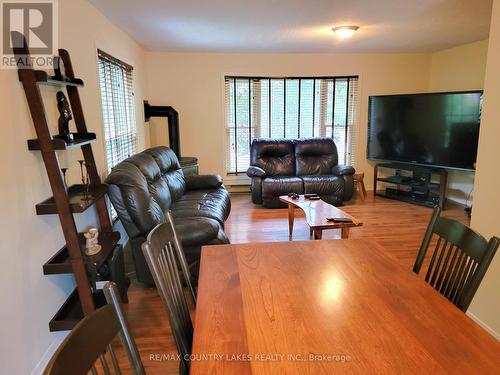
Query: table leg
[345, 233]
[311, 233]
[318, 234]
[291, 216]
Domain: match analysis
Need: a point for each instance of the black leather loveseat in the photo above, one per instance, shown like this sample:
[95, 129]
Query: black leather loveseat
[147, 184]
[310, 165]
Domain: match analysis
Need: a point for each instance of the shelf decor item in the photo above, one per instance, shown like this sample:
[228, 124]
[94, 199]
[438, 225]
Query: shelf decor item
[92, 246]
[82, 162]
[63, 171]
[65, 116]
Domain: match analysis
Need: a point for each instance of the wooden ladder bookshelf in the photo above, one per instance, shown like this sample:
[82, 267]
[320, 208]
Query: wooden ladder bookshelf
[67, 201]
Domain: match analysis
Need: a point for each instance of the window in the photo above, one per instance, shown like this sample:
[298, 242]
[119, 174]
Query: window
[289, 108]
[118, 111]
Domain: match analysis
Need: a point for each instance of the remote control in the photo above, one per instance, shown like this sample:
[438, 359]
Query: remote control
[340, 219]
[314, 198]
[310, 195]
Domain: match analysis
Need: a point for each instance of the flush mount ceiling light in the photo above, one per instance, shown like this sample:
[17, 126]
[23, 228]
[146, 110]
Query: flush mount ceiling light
[344, 32]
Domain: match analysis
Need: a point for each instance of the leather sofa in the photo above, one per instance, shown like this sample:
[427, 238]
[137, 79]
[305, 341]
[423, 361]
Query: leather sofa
[147, 184]
[303, 166]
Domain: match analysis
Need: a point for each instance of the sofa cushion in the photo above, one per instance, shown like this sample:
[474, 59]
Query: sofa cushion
[196, 230]
[138, 194]
[170, 169]
[323, 185]
[315, 156]
[276, 186]
[275, 156]
[214, 204]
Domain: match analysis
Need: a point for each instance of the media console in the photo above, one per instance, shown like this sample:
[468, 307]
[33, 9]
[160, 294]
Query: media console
[413, 184]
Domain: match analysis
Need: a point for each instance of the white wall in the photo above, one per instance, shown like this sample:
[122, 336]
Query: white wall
[459, 69]
[485, 214]
[193, 84]
[28, 298]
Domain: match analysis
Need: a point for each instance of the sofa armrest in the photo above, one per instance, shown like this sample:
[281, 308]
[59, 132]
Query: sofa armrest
[343, 170]
[207, 181]
[254, 171]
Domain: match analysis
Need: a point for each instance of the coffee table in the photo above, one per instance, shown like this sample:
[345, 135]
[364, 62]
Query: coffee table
[316, 212]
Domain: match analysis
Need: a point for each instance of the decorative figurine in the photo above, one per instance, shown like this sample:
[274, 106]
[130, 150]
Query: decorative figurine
[64, 118]
[91, 245]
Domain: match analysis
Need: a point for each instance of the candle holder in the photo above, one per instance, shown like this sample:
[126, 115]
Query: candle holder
[82, 162]
[63, 171]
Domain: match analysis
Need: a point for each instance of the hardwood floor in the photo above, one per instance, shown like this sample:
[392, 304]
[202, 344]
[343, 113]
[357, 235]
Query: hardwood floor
[397, 226]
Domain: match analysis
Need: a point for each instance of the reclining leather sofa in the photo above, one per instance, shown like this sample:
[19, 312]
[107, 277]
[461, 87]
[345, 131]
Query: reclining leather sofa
[303, 166]
[147, 184]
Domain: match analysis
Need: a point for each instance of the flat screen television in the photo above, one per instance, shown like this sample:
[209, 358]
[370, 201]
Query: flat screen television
[436, 129]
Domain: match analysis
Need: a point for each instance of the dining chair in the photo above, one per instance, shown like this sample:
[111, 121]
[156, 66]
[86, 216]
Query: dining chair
[162, 262]
[459, 261]
[91, 338]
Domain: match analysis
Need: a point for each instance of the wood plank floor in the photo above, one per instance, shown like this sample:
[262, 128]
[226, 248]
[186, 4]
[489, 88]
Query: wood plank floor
[397, 226]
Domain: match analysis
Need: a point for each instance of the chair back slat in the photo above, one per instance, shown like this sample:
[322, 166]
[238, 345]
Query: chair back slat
[450, 288]
[181, 258]
[454, 251]
[87, 344]
[162, 259]
[433, 260]
[160, 236]
[438, 264]
[445, 269]
[114, 360]
[460, 275]
[459, 260]
[104, 364]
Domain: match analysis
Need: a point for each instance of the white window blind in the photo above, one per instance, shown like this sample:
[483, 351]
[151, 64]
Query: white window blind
[118, 110]
[289, 108]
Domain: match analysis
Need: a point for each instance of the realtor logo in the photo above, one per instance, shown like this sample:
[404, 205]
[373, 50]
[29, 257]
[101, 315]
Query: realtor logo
[36, 20]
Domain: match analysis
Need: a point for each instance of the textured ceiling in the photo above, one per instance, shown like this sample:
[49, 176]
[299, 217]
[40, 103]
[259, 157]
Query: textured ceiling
[299, 26]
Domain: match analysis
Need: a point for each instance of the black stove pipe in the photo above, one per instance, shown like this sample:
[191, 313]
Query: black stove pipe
[172, 122]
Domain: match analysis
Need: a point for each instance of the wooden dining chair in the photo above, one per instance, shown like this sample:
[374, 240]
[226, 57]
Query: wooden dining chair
[162, 262]
[459, 261]
[91, 338]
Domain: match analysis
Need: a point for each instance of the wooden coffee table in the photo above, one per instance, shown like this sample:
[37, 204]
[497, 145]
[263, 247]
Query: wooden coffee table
[316, 213]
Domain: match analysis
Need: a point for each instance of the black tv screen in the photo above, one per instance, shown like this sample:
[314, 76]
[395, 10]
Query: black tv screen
[438, 129]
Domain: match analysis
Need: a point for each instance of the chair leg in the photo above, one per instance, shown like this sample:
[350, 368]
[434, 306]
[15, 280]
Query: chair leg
[318, 234]
[360, 185]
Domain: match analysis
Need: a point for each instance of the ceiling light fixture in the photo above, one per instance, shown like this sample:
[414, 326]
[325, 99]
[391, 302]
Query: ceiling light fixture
[344, 32]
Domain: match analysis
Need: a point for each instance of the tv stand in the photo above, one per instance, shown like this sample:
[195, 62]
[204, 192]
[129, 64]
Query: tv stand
[414, 186]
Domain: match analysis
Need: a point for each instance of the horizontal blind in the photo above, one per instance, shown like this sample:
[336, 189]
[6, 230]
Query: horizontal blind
[289, 108]
[118, 110]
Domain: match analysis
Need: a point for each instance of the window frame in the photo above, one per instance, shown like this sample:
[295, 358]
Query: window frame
[352, 116]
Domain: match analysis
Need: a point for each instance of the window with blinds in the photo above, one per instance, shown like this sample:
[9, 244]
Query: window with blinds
[289, 108]
[118, 110]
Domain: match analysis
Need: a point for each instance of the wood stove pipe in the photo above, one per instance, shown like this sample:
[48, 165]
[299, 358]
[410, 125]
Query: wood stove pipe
[172, 122]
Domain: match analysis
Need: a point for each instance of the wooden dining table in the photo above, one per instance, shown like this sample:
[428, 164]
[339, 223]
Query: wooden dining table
[328, 307]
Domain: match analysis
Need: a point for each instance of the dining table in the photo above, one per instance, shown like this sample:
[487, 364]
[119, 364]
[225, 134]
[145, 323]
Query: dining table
[328, 307]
